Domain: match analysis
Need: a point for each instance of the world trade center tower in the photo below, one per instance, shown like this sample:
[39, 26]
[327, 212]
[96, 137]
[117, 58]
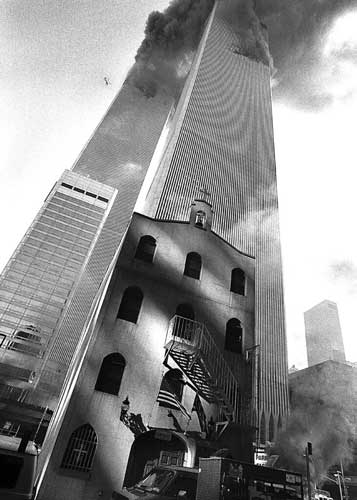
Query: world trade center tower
[222, 139]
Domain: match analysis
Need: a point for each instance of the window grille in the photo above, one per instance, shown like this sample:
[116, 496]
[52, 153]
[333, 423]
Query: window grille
[193, 265]
[238, 281]
[80, 449]
[146, 248]
[8, 428]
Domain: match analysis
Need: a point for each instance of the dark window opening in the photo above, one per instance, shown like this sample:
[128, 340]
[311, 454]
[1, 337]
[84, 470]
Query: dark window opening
[79, 190]
[185, 311]
[80, 450]
[10, 467]
[238, 281]
[92, 195]
[130, 304]
[111, 374]
[200, 219]
[171, 389]
[64, 184]
[2, 338]
[234, 336]
[146, 248]
[101, 198]
[193, 265]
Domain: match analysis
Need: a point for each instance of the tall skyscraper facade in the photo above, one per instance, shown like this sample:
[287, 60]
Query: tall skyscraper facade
[39, 285]
[323, 334]
[223, 140]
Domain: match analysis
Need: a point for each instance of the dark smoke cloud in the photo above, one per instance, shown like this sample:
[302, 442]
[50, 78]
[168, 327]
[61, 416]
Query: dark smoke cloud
[323, 406]
[297, 29]
[171, 39]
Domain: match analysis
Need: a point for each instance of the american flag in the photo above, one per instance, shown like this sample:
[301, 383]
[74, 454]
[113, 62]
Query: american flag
[170, 399]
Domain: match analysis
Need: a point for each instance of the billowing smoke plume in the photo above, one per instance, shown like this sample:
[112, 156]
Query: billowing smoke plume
[240, 15]
[171, 39]
[323, 406]
[297, 31]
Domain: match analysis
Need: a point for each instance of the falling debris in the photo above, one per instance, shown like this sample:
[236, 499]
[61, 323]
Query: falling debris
[107, 81]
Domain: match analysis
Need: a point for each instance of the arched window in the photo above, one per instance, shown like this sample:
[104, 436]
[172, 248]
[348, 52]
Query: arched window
[238, 281]
[262, 429]
[185, 311]
[146, 248]
[234, 336]
[130, 304]
[110, 374]
[193, 265]
[200, 219]
[80, 449]
[271, 428]
[171, 389]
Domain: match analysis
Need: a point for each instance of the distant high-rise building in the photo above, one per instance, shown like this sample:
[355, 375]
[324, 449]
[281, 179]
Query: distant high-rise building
[323, 334]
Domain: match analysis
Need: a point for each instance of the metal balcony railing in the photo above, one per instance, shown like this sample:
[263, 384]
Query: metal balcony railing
[193, 348]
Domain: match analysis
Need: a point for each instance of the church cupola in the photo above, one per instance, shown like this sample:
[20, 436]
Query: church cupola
[201, 212]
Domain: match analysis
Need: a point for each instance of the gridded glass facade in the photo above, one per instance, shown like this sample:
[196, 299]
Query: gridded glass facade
[40, 278]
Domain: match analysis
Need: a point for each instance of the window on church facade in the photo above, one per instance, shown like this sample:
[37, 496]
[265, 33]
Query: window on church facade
[80, 449]
[238, 281]
[171, 389]
[200, 219]
[234, 336]
[146, 248]
[193, 265]
[111, 374]
[130, 305]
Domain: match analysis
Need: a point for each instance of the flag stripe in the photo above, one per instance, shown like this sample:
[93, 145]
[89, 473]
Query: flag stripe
[170, 398]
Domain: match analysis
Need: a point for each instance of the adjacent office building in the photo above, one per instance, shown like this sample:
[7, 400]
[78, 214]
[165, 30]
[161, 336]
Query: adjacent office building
[323, 334]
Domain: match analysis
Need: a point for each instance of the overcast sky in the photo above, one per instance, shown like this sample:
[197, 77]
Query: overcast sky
[54, 57]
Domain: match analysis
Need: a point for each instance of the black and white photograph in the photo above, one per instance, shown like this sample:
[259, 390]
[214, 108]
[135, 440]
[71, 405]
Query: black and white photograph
[178, 260]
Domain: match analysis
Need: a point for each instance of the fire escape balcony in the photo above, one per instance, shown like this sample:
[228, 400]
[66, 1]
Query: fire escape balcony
[193, 348]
